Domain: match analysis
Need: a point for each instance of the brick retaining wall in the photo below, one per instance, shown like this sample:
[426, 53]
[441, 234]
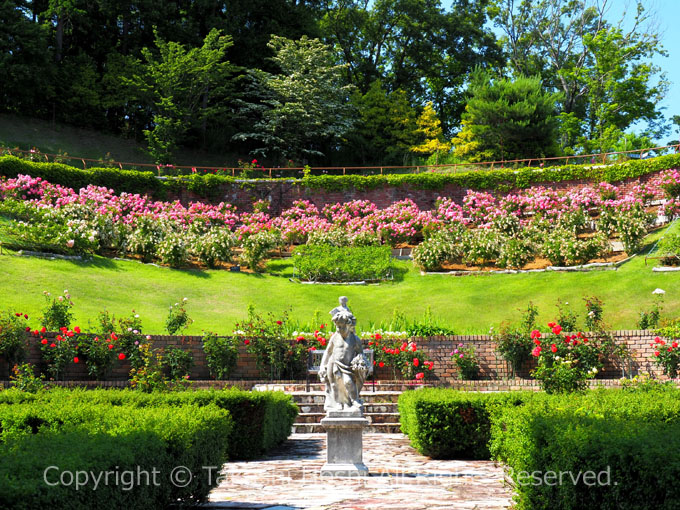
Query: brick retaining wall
[437, 349]
[282, 194]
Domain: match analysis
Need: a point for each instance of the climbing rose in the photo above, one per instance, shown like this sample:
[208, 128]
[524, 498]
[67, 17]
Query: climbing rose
[536, 352]
[121, 356]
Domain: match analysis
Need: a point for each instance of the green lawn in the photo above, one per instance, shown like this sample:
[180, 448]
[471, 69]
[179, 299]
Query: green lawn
[217, 299]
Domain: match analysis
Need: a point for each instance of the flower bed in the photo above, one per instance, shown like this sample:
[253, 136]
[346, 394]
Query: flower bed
[509, 231]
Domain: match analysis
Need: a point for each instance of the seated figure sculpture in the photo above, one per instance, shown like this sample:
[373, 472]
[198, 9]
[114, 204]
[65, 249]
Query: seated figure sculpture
[343, 366]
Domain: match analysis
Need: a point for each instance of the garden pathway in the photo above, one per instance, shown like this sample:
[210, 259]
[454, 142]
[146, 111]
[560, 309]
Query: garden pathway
[400, 479]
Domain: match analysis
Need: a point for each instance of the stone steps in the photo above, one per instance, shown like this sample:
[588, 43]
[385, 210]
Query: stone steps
[318, 397]
[373, 418]
[316, 428]
[369, 408]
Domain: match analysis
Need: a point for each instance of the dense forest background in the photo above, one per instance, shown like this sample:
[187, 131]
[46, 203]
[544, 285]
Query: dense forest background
[339, 82]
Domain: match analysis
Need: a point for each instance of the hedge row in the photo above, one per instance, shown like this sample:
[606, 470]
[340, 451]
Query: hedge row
[57, 454]
[209, 185]
[262, 419]
[324, 263]
[610, 449]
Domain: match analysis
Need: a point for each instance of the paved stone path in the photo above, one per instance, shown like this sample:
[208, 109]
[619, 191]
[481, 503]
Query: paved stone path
[400, 479]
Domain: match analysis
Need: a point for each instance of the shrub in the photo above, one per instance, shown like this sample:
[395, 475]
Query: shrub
[669, 249]
[442, 246]
[256, 247]
[266, 339]
[214, 246]
[620, 436]
[447, 424]
[342, 264]
[466, 361]
[562, 248]
[124, 335]
[24, 379]
[57, 312]
[144, 239]
[666, 352]
[333, 237]
[221, 354]
[632, 228]
[178, 362]
[513, 343]
[173, 249]
[13, 331]
[58, 430]
[515, 252]
[401, 356]
[481, 246]
[178, 318]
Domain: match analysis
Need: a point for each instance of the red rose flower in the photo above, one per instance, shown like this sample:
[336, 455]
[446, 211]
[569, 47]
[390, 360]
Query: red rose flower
[76, 329]
[53, 345]
[300, 338]
[110, 346]
[535, 334]
[381, 364]
[43, 341]
[246, 341]
[557, 329]
[121, 356]
[377, 336]
[416, 362]
[656, 353]
[675, 345]
[43, 329]
[553, 348]
[76, 360]
[28, 329]
[420, 375]
[279, 322]
[551, 324]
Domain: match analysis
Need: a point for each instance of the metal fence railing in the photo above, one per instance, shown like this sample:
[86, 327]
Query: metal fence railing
[252, 171]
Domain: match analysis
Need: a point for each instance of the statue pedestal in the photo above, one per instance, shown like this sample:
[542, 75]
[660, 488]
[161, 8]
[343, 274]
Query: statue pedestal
[344, 449]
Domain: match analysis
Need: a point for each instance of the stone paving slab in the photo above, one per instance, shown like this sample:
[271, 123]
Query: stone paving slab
[400, 479]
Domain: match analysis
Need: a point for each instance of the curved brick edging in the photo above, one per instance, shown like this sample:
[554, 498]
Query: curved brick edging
[437, 349]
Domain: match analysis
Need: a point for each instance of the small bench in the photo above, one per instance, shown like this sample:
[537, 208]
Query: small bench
[314, 364]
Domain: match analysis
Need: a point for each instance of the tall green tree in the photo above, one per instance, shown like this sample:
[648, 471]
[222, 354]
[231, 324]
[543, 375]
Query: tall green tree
[176, 83]
[603, 69]
[507, 119]
[385, 128]
[413, 45]
[302, 111]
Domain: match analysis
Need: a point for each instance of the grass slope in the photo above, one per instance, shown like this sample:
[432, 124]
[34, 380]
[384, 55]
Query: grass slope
[217, 299]
[26, 133]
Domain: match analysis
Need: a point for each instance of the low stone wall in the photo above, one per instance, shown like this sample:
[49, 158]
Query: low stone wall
[437, 349]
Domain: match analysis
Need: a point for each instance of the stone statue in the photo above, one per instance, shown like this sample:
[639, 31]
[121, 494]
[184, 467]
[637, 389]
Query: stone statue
[343, 306]
[343, 366]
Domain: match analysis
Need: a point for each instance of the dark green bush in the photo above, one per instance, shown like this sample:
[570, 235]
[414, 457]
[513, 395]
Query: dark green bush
[446, 424]
[261, 420]
[630, 439]
[77, 435]
[325, 263]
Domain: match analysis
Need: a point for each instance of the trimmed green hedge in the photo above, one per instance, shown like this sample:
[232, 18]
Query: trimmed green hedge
[209, 185]
[262, 419]
[612, 449]
[447, 424]
[326, 263]
[43, 440]
[623, 450]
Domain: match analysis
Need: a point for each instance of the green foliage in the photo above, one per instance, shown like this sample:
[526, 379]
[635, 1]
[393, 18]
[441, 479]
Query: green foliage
[430, 134]
[97, 434]
[513, 343]
[221, 355]
[303, 109]
[213, 246]
[445, 245]
[256, 247]
[507, 119]
[13, 340]
[562, 248]
[446, 424]
[173, 249]
[266, 339]
[178, 318]
[342, 264]
[669, 249]
[178, 363]
[614, 434]
[666, 352]
[466, 361]
[57, 312]
[24, 379]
